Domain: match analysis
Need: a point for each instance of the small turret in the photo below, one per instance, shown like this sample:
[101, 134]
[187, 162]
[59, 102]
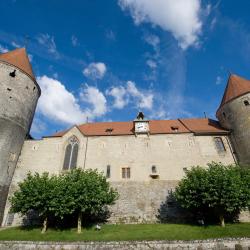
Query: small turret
[19, 94]
[234, 114]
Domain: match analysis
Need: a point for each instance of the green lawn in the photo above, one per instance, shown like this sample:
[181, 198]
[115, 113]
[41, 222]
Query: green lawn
[130, 232]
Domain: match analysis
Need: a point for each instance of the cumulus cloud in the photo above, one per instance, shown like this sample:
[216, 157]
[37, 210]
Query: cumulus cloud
[93, 96]
[120, 96]
[95, 70]
[131, 94]
[57, 103]
[180, 17]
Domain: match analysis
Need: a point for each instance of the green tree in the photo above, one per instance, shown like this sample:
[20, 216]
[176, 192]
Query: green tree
[35, 193]
[220, 190]
[83, 192]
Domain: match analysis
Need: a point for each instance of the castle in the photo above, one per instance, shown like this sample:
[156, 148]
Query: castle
[143, 159]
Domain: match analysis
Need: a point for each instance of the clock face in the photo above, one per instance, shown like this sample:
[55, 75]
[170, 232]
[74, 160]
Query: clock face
[141, 127]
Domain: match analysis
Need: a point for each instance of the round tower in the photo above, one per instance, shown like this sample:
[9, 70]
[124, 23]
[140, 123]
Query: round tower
[234, 114]
[19, 94]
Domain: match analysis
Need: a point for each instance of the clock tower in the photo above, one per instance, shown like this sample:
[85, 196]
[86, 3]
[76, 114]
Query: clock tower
[141, 125]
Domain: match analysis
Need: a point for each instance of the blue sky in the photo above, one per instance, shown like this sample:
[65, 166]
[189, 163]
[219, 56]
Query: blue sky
[106, 60]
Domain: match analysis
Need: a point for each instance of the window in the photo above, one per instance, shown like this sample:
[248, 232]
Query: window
[71, 153]
[219, 145]
[125, 173]
[246, 102]
[108, 173]
[154, 170]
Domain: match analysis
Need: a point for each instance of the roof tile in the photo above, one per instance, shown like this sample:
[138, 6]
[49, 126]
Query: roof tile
[18, 58]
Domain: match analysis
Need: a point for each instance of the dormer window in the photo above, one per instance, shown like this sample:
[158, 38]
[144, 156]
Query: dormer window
[109, 130]
[175, 128]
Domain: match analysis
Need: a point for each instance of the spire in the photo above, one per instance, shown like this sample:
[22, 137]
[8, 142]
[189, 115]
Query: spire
[236, 86]
[18, 58]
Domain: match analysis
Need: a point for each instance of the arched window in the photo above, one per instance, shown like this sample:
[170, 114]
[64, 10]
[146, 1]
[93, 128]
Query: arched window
[71, 153]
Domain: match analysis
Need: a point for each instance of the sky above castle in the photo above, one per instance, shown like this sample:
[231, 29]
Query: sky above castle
[101, 60]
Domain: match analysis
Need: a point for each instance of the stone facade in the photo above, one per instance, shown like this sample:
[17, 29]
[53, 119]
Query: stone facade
[141, 196]
[18, 99]
[235, 116]
[144, 163]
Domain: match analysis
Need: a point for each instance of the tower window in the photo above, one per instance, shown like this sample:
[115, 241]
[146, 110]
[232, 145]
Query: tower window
[219, 145]
[71, 153]
[108, 171]
[125, 173]
[224, 115]
[246, 102]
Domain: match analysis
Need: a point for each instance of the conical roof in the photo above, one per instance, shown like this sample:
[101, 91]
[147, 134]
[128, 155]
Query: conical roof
[236, 86]
[18, 58]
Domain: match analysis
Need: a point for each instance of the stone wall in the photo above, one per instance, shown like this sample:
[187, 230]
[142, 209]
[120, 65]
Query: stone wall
[216, 244]
[18, 99]
[140, 196]
[235, 116]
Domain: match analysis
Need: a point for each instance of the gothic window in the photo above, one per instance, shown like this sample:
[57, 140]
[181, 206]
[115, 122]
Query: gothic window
[71, 153]
[219, 145]
[125, 173]
[108, 171]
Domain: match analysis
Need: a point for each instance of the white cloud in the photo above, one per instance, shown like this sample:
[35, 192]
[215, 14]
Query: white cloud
[180, 17]
[16, 45]
[153, 40]
[218, 80]
[119, 94]
[95, 70]
[93, 96]
[152, 64]
[3, 49]
[143, 100]
[30, 57]
[57, 103]
[74, 41]
[131, 94]
[38, 126]
[49, 42]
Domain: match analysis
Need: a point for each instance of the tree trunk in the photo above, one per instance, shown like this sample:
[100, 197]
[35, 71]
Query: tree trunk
[45, 225]
[79, 223]
[222, 221]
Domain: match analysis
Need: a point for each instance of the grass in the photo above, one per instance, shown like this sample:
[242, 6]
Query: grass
[129, 232]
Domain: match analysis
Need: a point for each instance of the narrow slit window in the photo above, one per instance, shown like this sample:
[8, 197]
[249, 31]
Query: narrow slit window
[108, 171]
[71, 154]
[220, 147]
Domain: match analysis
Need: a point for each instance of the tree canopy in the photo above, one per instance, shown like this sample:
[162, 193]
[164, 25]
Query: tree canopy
[75, 191]
[218, 189]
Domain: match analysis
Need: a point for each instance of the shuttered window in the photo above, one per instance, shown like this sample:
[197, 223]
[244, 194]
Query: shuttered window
[126, 173]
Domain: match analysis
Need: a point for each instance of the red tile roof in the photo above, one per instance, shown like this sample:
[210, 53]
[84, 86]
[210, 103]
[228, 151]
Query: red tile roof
[18, 58]
[197, 126]
[236, 86]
